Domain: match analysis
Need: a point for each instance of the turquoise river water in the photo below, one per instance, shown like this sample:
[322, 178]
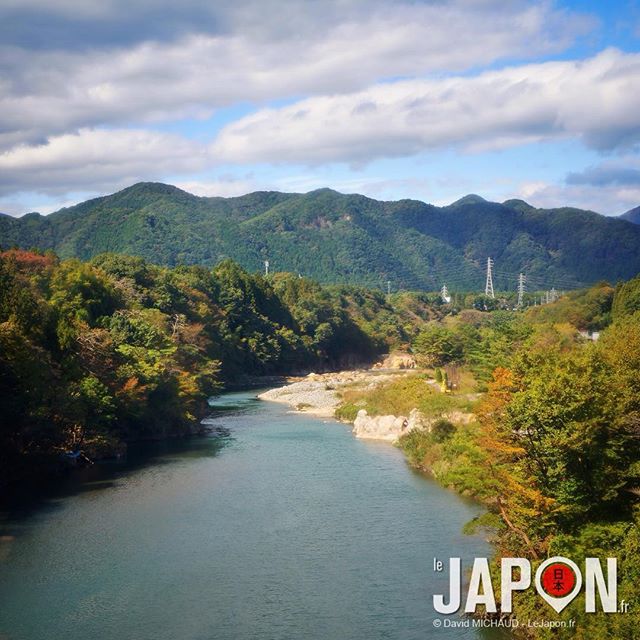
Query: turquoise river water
[277, 526]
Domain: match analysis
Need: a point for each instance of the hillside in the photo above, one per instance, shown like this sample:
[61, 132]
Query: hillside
[633, 215]
[334, 237]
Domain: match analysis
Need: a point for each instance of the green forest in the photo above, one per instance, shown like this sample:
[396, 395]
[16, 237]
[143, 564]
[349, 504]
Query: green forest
[554, 450]
[96, 354]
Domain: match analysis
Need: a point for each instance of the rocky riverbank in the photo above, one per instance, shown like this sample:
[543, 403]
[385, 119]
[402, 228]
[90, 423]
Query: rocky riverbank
[317, 394]
[320, 395]
[390, 428]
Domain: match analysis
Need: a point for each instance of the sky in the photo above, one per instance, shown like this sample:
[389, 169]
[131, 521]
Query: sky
[424, 99]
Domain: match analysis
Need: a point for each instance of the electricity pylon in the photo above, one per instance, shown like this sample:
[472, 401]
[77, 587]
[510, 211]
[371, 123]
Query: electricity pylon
[521, 280]
[488, 288]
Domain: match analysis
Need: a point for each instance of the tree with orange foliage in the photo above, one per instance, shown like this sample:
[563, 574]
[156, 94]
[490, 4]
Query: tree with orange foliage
[517, 500]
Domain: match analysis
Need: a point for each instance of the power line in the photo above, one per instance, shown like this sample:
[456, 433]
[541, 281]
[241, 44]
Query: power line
[462, 277]
[544, 279]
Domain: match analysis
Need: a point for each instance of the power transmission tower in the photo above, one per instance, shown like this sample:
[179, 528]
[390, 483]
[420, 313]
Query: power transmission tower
[388, 287]
[488, 287]
[444, 294]
[521, 280]
[553, 294]
[266, 268]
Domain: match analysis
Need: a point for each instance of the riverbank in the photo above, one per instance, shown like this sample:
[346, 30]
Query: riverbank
[380, 405]
[319, 393]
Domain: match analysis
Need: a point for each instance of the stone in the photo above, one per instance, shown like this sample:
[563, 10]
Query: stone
[388, 428]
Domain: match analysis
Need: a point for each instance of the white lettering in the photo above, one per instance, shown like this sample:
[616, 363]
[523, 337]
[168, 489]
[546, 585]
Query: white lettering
[594, 577]
[454, 590]
[480, 577]
[508, 585]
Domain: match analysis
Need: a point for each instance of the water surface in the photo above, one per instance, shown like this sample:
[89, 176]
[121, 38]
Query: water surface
[277, 526]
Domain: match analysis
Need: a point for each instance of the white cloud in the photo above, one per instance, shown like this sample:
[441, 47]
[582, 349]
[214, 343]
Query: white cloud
[610, 187]
[221, 187]
[375, 186]
[376, 76]
[596, 100]
[96, 160]
[254, 55]
[510, 106]
[608, 200]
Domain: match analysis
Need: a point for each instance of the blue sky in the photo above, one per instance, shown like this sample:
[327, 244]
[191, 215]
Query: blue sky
[391, 98]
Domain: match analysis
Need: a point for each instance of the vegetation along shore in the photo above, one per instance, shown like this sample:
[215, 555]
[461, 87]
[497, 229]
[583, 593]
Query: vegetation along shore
[527, 414]
[97, 354]
[517, 409]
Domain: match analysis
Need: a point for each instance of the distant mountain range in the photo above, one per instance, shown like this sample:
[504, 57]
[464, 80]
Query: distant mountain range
[633, 215]
[341, 238]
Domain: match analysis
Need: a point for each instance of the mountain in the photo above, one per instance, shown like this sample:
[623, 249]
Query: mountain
[633, 215]
[341, 238]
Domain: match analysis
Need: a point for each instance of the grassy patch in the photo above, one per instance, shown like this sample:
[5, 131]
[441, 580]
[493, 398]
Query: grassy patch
[400, 396]
[347, 412]
[397, 397]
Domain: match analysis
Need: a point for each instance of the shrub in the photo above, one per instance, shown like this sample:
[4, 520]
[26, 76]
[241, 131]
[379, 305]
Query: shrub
[442, 430]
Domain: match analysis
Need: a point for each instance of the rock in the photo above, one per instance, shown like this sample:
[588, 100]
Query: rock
[417, 420]
[388, 428]
[397, 361]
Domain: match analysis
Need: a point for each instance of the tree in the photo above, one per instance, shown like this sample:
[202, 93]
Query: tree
[511, 492]
[437, 345]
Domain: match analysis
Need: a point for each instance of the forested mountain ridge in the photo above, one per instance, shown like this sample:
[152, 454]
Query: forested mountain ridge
[341, 238]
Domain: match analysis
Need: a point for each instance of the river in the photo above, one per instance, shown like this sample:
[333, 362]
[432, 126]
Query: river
[278, 526]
